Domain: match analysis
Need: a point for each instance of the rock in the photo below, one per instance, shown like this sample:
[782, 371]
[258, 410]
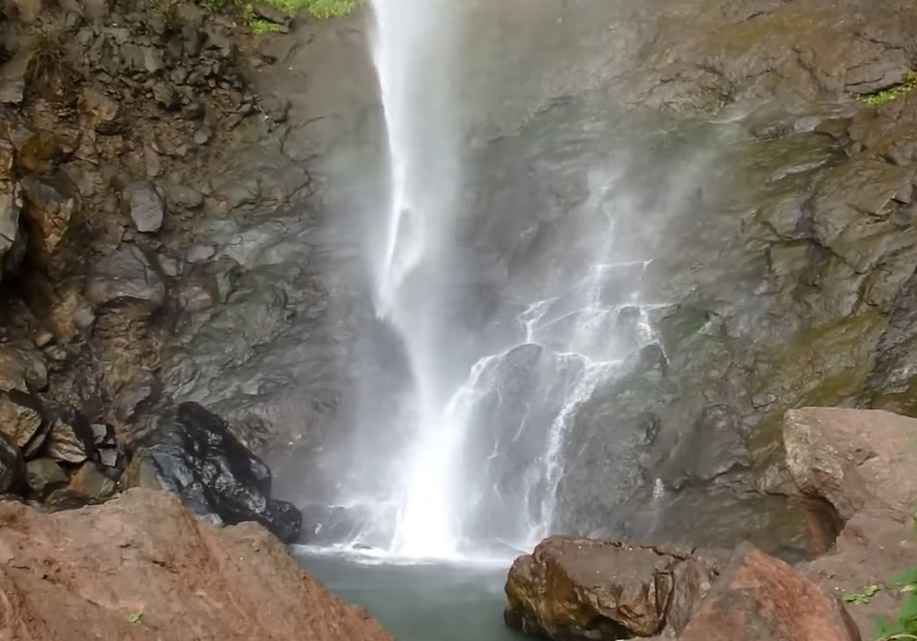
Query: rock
[22, 368]
[586, 589]
[270, 13]
[184, 196]
[91, 484]
[146, 206]
[10, 208]
[166, 96]
[200, 253]
[853, 458]
[49, 206]
[125, 274]
[70, 437]
[870, 550]
[109, 456]
[20, 417]
[139, 568]
[192, 453]
[40, 153]
[12, 466]
[44, 475]
[102, 434]
[760, 598]
[276, 108]
[101, 112]
[202, 136]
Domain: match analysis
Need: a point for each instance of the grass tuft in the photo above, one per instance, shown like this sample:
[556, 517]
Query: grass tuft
[891, 94]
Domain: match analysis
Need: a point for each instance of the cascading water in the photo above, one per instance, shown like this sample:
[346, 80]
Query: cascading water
[484, 456]
[412, 57]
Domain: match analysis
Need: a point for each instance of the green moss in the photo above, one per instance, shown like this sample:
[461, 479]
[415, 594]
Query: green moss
[260, 26]
[821, 366]
[886, 96]
[316, 8]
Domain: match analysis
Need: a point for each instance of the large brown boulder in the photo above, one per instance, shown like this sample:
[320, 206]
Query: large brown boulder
[760, 598]
[582, 588]
[853, 459]
[142, 568]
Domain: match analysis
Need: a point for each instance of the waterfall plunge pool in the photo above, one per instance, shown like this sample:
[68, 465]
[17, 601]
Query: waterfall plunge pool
[435, 601]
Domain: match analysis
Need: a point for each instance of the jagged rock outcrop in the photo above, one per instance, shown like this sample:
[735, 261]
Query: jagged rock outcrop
[860, 463]
[191, 452]
[853, 459]
[760, 598]
[142, 568]
[572, 588]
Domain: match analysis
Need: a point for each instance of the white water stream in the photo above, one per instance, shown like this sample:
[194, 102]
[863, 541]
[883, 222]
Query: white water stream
[441, 488]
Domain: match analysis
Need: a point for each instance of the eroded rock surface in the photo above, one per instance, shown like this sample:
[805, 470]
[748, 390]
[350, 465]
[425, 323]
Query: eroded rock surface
[854, 459]
[861, 463]
[588, 589]
[760, 598]
[142, 568]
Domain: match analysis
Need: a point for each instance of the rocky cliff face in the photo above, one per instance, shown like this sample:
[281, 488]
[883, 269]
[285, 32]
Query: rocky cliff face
[183, 209]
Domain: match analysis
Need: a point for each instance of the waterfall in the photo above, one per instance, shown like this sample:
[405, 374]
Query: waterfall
[412, 57]
[484, 456]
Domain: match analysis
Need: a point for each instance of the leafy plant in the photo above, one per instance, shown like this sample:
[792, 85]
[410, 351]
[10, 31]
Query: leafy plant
[886, 96]
[904, 626]
[135, 617]
[864, 597]
[260, 26]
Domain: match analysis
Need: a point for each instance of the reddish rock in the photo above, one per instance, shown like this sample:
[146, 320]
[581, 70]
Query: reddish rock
[581, 588]
[760, 598]
[142, 568]
[861, 463]
[853, 458]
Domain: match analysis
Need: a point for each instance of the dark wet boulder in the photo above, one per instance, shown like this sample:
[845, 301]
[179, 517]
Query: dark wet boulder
[43, 476]
[192, 453]
[571, 588]
[12, 466]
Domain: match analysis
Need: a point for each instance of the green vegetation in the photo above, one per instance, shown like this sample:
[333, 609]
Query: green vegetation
[316, 8]
[892, 93]
[904, 626]
[864, 597]
[135, 617]
[260, 26]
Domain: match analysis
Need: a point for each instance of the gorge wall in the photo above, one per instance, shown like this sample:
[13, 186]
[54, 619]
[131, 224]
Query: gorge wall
[187, 207]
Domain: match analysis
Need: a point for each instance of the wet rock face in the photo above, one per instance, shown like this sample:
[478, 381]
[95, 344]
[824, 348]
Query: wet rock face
[125, 274]
[141, 568]
[192, 453]
[12, 466]
[586, 589]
